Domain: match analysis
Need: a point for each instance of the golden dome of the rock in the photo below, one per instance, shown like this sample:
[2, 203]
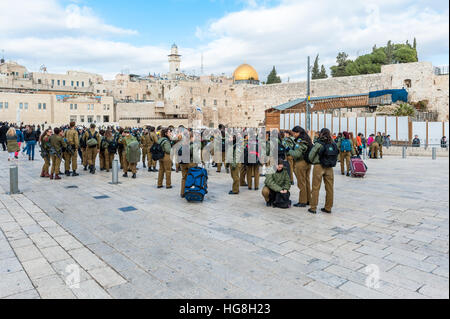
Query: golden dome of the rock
[245, 72]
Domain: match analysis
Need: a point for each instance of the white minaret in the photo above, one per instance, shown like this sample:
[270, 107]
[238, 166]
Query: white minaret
[174, 62]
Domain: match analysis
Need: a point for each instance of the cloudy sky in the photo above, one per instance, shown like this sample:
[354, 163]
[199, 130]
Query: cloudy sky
[108, 36]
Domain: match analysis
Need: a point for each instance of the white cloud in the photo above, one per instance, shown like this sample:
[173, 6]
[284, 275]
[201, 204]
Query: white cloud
[74, 37]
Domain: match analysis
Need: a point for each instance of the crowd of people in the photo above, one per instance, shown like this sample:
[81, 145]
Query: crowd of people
[311, 161]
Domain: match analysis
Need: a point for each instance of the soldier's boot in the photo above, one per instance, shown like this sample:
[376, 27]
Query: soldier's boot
[67, 173]
[134, 175]
[42, 174]
[47, 175]
[57, 177]
[125, 175]
[51, 176]
[143, 165]
[92, 169]
[154, 169]
[150, 169]
[74, 173]
[85, 168]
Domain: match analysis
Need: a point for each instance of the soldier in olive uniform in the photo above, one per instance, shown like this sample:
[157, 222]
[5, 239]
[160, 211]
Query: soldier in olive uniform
[45, 152]
[127, 138]
[233, 157]
[380, 140]
[71, 154]
[145, 144]
[92, 149]
[153, 140]
[56, 146]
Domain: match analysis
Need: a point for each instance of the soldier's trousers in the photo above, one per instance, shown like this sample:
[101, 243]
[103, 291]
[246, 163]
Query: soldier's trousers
[165, 168]
[46, 166]
[242, 174]
[128, 166]
[345, 161]
[91, 155]
[146, 155]
[266, 193]
[327, 174]
[253, 172]
[374, 148]
[220, 163]
[380, 148]
[235, 171]
[184, 172]
[70, 159]
[84, 152]
[303, 175]
[56, 164]
[121, 157]
[105, 159]
[290, 160]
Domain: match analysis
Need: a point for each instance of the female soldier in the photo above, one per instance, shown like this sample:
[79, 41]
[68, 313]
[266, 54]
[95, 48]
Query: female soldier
[299, 153]
[323, 156]
[44, 142]
[165, 164]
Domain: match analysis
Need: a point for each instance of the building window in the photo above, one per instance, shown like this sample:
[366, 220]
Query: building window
[204, 102]
[90, 119]
[26, 106]
[64, 82]
[71, 106]
[39, 106]
[39, 81]
[44, 106]
[226, 103]
[53, 82]
[6, 105]
[98, 118]
[78, 83]
[20, 105]
[82, 118]
[71, 83]
[215, 102]
[75, 106]
[73, 118]
[1, 105]
[98, 91]
[191, 101]
[407, 83]
[59, 82]
[82, 83]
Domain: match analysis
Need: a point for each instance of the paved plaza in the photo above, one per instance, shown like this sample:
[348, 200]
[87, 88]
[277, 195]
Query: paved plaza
[388, 237]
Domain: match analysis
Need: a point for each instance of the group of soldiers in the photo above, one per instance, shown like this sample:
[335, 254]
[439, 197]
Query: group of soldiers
[71, 142]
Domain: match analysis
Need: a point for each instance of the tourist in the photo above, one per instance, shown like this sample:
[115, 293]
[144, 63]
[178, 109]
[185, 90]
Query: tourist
[277, 182]
[346, 151]
[302, 166]
[3, 129]
[416, 141]
[444, 142]
[323, 156]
[12, 143]
[387, 141]
[20, 140]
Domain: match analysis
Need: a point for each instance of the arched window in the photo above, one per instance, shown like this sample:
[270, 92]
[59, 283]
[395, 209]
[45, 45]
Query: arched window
[407, 83]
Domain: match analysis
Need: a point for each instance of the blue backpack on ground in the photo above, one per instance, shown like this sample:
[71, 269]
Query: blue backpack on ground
[196, 184]
[346, 146]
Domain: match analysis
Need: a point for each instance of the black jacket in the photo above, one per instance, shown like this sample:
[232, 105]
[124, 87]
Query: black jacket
[3, 130]
[30, 136]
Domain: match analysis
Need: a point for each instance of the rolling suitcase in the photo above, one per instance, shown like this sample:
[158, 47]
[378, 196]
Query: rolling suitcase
[196, 184]
[358, 167]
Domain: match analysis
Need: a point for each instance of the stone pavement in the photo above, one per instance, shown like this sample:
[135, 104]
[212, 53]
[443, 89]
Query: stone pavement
[392, 225]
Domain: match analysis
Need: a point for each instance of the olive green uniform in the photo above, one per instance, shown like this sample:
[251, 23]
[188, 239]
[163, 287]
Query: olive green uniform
[57, 144]
[145, 145]
[302, 170]
[321, 173]
[45, 146]
[276, 182]
[380, 140]
[71, 157]
[165, 164]
[91, 152]
[126, 166]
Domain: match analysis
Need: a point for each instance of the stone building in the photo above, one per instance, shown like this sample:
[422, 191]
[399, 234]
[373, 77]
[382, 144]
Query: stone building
[179, 99]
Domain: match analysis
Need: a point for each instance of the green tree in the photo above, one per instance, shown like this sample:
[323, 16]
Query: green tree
[405, 110]
[323, 73]
[342, 62]
[389, 51]
[404, 53]
[315, 72]
[273, 77]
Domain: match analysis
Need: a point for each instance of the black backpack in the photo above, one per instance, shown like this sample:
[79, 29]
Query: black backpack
[306, 155]
[82, 142]
[157, 152]
[282, 200]
[281, 151]
[328, 155]
[113, 146]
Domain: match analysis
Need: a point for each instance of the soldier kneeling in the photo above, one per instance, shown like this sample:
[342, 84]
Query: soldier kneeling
[277, 182]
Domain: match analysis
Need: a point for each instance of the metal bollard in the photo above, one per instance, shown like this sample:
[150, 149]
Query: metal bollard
[14, 180]
[364, 152]
[115, 172]
[433, 153]
[404, 152]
